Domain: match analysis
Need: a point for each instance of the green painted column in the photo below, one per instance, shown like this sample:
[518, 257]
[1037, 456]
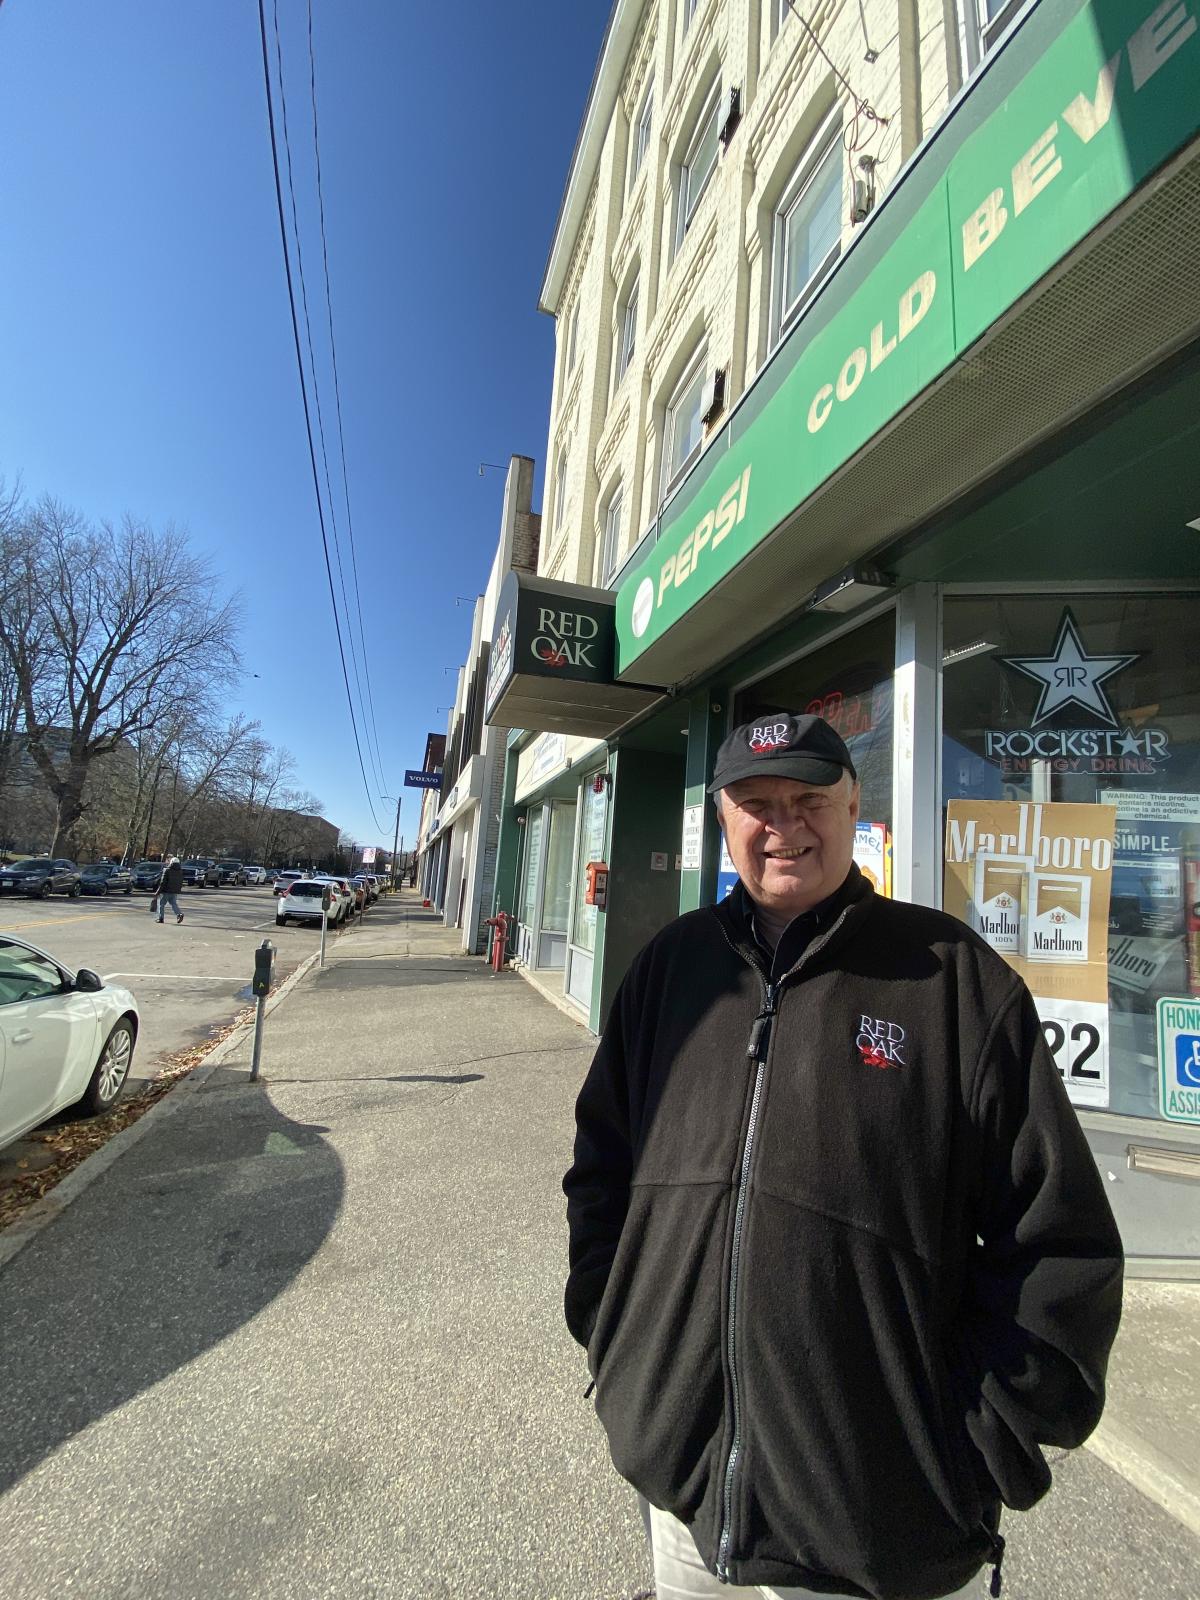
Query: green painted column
[707, 722]
[508, 845]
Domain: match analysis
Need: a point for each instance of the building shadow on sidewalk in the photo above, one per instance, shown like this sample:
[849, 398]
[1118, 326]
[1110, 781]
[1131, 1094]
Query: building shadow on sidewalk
[188, 1237]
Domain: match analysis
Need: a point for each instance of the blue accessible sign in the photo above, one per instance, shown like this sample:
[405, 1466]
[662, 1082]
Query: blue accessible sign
[422, 780]
[1179, 1060]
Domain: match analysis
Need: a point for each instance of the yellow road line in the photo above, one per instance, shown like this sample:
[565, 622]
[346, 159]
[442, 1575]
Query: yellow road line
[49, 922]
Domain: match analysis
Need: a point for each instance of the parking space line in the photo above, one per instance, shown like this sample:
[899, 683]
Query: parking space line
[182, 977]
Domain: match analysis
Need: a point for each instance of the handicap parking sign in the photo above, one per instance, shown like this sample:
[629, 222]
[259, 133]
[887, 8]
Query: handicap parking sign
[1179, 1060]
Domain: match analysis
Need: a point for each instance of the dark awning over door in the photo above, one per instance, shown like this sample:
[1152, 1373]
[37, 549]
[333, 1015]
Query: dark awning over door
[552, 660]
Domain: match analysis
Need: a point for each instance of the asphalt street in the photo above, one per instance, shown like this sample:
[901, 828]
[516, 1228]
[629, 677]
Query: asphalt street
[189, 979]
[305, 1339]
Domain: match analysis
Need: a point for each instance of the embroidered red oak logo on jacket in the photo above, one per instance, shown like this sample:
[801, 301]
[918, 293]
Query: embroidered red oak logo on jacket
[881, 1043]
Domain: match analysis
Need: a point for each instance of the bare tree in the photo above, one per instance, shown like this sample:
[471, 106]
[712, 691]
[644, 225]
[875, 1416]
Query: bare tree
[109, 632]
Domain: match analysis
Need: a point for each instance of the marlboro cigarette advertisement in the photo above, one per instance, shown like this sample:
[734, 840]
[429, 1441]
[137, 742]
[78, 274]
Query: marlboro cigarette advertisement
[1034, 881]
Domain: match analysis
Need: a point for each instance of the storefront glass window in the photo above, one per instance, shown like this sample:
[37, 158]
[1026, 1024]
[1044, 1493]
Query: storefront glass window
[557, 895]
[591, 848]
[529, 873]
[1071, 783]
[849, 683]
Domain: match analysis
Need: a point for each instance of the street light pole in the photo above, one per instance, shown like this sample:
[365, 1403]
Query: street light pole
[395, 836]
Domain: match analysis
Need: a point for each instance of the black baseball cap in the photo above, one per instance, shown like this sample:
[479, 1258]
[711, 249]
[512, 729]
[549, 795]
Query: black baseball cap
[782, 745]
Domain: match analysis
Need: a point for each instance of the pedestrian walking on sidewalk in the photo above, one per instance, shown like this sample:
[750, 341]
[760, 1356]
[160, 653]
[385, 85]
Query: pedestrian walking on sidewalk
[839, 1252]
[169, 886]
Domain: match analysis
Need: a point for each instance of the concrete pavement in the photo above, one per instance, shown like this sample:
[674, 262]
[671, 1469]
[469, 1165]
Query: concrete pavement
[305, 1338]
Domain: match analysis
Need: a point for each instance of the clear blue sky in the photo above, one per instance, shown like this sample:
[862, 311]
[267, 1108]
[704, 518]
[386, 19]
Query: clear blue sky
[146, 358]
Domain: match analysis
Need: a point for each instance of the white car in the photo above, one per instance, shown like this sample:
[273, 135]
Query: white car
[300, 901]
[66, 1038]
[255, 874]
[285, 879]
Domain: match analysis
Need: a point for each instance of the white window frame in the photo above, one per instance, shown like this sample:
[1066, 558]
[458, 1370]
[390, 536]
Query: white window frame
[826, 145]
[780, 12]
[610, 544]
[642, 131]
[689, 192]
[690, 8]
[560, 493]
[627, 328]
[670, 480]
[573, 339]
[991, 31]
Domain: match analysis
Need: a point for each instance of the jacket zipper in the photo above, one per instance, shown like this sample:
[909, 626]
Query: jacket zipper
[757, 1051]
[760, 1040]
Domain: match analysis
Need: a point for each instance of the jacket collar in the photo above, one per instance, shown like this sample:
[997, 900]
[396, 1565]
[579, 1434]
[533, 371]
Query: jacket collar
[736, 911]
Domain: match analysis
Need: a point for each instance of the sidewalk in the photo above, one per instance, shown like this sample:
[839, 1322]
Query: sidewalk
[305, 1338]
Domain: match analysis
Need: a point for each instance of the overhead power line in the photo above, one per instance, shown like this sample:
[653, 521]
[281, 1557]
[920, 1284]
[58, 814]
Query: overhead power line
[337, 394]
[297, 243]
[312, 454]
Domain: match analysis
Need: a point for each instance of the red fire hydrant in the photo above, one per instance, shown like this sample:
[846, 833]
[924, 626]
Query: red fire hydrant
[499, 951]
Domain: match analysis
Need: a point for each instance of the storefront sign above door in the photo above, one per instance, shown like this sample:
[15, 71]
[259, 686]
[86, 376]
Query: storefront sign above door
[1076, 111]
[552, 660]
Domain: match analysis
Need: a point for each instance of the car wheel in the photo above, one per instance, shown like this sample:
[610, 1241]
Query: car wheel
[111, 1071]
[44, 891]
[74, 891]
[128, 888]
[104, 892]
[281, 922]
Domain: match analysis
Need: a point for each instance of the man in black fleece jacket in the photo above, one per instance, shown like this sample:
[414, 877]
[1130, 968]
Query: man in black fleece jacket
[840, 1256]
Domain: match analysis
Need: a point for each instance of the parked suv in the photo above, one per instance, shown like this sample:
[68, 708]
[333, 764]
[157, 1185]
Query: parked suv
[255, 874]
[201, 873]
[104, 877]
[285, 879]
[40, 877]
[231, 872]
[300, 901]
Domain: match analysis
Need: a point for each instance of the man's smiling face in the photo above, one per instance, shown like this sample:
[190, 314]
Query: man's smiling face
[791, 842]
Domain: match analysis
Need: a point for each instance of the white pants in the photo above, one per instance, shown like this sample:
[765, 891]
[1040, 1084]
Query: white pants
[679, 1573]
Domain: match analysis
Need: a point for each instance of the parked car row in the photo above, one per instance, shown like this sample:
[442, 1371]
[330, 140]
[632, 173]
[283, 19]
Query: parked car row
[41, 876]
[301, 896]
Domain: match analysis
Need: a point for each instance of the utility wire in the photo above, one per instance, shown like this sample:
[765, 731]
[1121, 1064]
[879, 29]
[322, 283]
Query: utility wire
[316, 388]
[312, 454]
[854, 139]
[312, 76]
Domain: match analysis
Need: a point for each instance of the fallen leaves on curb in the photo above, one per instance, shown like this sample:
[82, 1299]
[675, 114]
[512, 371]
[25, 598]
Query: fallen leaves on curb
[72, 1142]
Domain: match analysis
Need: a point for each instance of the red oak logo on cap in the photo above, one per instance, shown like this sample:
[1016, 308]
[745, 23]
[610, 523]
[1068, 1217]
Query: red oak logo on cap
[769, 736]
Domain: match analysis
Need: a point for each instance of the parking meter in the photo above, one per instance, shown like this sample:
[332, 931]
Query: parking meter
[264, 958]
[327, 898]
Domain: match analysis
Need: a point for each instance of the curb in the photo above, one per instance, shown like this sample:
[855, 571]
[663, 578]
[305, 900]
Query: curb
[1149, 1471]
[52, 1205]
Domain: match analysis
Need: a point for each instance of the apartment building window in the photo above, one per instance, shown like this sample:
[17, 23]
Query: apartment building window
[610, 548]
[573, 339]
[683, 430]
[627, 330]
[808, 228]
[699, 162]
[689, 11]
[994, 18]
[560, 493]
[780, 12]
[641, 133]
